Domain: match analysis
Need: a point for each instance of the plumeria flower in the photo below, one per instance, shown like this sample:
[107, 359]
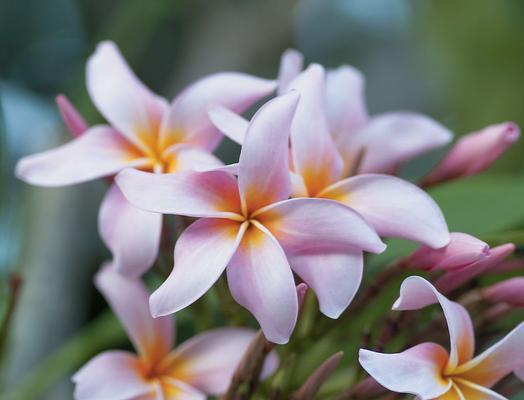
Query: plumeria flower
[145, 132]
[429, 371]
[394, 207]
[249, 225]
[377, 144]
[201, 366]
[322, 167]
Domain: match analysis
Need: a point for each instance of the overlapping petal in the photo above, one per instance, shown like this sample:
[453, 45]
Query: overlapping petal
[187, 120]
[390, 139]
[194, 194]
[100, 151]
[174, 389]
[231, 124]
[345, 106]
[201, 255]
[394, 207]
[333, 274]
[291, 63]
[260, 279]
[305, 223]
[183, 157]
[417, 293]
[264, 166]
[112, 375]
[496, 362]
[315, 156]
[132, 234]
[207, 361]
[470, 390]
[417, 370]
[152, 337]
[122, 99]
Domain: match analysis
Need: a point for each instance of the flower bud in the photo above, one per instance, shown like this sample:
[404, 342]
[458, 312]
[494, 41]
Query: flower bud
[453, 279]
[462, 250]
[73, 120]
[474, 153]
[510, 291]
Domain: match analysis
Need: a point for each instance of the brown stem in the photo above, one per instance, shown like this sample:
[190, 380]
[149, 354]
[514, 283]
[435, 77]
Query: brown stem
[246, 377]
[14, 285]
[313, 384]
[366, 389]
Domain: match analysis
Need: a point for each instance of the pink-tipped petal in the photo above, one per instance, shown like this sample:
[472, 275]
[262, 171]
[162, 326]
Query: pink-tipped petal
[188, 120]
[409, 212]
[128, 298]
[207, 361]
[291, 63]
[462, 250]
[475, 152]
[264, 166]
[73, 120]
[99, 152]
[231, 124]
[334, 275]
[121, 98]
[132, 234]
[416, 371]
[201, 255]
[260, 279]
[112, 375]
[193, 194]
[345, 107]
[390, 139]
[185, 157]
[510, 291]
[453, 279]
[315, 156]
[303, 223]
[417, 293]
[496, 362]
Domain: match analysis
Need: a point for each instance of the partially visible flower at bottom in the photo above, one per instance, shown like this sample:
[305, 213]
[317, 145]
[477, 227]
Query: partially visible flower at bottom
[201, 366]
[428, 371]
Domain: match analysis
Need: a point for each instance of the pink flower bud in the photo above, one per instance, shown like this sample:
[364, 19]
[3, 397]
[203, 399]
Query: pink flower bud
[462, 250]
[474, 152]
[72, 118]
[508, 266]
[510, 291]
[453, 279]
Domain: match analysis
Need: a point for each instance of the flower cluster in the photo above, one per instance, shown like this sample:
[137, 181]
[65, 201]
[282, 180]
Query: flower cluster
[316, 187]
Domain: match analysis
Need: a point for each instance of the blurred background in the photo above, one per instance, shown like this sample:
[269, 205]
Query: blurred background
[459, 62]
